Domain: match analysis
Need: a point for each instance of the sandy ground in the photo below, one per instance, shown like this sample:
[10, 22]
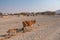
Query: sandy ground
[46, 27]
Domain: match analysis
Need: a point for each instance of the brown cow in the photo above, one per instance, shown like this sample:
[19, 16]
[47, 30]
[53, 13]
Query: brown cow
[27, 25]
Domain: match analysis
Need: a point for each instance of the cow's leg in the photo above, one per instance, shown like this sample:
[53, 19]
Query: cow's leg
[24, 29]
[27, 29]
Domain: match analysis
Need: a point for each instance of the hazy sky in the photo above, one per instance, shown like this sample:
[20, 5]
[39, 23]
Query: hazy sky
[11, 6]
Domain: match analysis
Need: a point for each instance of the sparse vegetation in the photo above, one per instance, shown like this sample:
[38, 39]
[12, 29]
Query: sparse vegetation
[31, 14]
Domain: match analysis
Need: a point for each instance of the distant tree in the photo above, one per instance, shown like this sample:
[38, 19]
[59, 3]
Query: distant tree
[42, 13]
[23, 13]
[38, 13]
[32, 13]
[48, 13]
[1, 13]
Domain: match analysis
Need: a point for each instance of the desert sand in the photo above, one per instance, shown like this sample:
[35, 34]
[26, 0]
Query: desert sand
[45, 28]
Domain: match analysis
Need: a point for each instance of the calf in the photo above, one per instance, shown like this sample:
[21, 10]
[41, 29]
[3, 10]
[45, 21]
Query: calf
[12, 32]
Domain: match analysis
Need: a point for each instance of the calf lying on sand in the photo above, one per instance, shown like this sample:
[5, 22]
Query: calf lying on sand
[12, 32]
[27, 25]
